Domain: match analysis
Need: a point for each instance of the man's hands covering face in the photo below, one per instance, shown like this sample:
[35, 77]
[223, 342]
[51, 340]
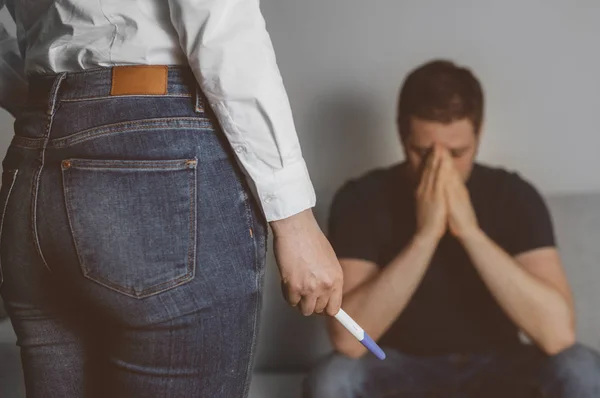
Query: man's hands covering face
[442, 199]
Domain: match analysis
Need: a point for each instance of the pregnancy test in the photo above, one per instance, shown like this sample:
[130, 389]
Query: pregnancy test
[359, 333]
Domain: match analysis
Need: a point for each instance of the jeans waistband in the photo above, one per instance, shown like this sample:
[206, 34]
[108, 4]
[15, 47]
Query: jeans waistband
[96, 83]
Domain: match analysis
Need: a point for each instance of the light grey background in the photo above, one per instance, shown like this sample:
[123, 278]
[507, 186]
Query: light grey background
[6, 120]
[344, 60]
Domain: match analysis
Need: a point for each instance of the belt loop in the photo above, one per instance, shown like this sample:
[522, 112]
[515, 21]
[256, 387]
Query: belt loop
[52, 102]
[199, 100]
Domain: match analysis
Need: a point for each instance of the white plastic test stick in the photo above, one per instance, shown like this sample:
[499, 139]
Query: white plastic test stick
[359, 333]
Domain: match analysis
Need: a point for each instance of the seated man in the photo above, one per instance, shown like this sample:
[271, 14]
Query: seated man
[445, 261]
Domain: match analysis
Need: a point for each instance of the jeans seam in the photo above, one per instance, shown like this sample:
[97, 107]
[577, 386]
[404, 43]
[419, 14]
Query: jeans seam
[189, 275]
[4, 207]
[143, 124]
[27, 143]
[53, 105]
[199, 106]
[65, 176]
[259, 270]
[97, 164]
[255, 326]
[193, 223]
[125, 96]
[248, 211]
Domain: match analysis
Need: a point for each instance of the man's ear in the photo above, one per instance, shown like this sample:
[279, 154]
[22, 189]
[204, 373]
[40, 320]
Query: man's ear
[404, 145]
[478, 136]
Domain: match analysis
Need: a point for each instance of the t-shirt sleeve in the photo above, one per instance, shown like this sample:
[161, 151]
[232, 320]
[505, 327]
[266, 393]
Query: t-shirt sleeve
[351, 225]
[530, 223]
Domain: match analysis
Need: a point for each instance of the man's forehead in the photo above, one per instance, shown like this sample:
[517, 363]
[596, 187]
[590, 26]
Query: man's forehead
[451, 135]
[448, 144]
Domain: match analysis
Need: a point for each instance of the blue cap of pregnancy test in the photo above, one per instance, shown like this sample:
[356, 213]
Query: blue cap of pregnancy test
[372, 346]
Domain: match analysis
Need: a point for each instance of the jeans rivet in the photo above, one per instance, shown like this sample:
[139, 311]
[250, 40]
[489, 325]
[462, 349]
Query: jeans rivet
[190, 163]
[66, 164]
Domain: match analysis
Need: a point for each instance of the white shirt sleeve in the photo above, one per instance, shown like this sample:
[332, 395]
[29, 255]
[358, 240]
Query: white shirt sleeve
[13, 84]
[232, 57]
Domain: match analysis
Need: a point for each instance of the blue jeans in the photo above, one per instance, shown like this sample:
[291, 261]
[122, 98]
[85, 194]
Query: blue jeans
[517, 373]
[132, 254]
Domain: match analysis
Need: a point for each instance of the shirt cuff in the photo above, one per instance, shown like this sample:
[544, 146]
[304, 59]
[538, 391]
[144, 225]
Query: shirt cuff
[286, 192]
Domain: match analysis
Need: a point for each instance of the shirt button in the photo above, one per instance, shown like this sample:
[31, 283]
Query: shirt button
[240, 149]
[268, 198]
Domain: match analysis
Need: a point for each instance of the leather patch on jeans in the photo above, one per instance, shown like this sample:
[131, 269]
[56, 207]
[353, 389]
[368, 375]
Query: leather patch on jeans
[139, 80]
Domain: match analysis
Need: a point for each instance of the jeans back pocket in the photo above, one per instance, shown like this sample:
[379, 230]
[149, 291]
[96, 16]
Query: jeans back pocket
[8, 182]
[133, 222]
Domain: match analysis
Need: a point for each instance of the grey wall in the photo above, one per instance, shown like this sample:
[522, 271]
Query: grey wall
[343, 62]
[6, 119]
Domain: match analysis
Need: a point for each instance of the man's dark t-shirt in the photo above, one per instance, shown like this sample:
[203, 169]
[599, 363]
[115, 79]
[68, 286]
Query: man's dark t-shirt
[452, 311]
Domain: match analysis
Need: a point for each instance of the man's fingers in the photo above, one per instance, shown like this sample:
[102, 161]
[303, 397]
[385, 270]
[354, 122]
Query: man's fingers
[438, 181]
[450, 165]
[425, 172]
[445, 165]
[424, 179]
[433, 170]
[426, 168]
[453, 176]
[453, 183]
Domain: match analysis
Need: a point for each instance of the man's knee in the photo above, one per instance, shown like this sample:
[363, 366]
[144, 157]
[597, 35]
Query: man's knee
[336, 376]
[574, 372]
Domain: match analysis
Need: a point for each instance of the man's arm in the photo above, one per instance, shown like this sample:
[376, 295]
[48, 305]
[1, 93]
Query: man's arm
[376, 298]
[531, 288]
[13, 84]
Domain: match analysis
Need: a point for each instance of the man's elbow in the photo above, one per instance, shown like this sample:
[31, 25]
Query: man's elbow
[559, 340]
[348, 347]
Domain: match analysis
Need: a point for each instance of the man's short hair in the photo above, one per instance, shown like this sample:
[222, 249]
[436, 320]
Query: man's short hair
[440, 91]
